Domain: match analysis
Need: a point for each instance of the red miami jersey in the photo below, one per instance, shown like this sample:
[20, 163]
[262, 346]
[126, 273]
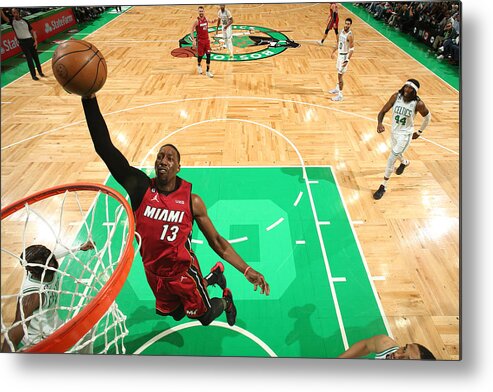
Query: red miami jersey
[165, 225]
[202, 29]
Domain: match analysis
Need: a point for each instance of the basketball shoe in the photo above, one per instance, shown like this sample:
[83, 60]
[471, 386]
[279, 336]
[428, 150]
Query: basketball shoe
[209, 74]
[216, 276]
[199, 69]
[338, 97]
[401, 168]
[230, 308]
[379, 193]
[334, 91]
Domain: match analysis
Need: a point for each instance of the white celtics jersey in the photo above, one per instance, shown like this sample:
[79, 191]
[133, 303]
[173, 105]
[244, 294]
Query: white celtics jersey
[343, 46]
[403, 114]
[384, 354]
[224, 16]
[45, 319]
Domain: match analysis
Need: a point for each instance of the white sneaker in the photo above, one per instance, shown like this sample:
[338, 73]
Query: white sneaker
[441, 57]
[199, 68]
[320, 42]
[209, 74]
[337, 98]
[334, 91]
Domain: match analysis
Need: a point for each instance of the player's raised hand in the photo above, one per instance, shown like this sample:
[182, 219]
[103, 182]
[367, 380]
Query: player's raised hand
[258, 280]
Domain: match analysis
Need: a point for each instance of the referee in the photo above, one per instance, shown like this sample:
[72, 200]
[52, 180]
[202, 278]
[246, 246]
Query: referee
[27, 40]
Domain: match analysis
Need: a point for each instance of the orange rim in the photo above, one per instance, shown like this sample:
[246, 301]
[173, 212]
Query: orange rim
[70, 333]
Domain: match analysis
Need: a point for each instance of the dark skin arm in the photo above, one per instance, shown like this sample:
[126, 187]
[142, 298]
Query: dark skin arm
[364, 347]
[30, 303]
[223, 248]
[423, 110]
[385, 109]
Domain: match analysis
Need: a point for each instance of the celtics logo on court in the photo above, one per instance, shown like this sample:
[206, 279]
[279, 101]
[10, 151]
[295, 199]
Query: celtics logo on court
[249, 42]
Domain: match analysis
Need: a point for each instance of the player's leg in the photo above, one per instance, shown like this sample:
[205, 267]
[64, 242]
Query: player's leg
[404, 143]
[200, 55]
[229, 40]
[340, 86]
[197, 303]
[208, 60]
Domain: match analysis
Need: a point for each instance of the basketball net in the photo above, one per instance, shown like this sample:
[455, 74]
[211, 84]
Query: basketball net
[77, 312]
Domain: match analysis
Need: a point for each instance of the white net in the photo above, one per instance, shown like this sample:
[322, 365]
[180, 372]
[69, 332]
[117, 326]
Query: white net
[58, 255]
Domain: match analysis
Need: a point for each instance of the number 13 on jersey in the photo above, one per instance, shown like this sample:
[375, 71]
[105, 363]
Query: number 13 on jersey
[173, 233]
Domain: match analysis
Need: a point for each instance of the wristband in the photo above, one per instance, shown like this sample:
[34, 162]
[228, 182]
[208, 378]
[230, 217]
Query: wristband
[246, 270]
[420, 131]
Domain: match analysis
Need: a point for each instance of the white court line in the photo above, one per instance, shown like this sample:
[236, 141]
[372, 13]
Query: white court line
[324, 223]
[298, 199]
[375, 294]
[313, 182]
[233, 9]
[200, 242]
[378, 277]
[193, 324]
[300, 242]
[5, 102]
[278, 222]
[242, 239]
[212, 98]
[358, 222]
[338, 279]
[402, 50]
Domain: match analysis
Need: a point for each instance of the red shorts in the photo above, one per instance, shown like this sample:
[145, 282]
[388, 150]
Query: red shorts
[187, 290]
[334, 22]
[203, 47]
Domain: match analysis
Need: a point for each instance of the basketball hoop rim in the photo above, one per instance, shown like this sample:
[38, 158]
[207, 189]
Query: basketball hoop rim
[70, 333]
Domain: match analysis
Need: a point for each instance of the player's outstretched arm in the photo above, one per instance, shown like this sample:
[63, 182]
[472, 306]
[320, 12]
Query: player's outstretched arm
[223, 248]
[132, 179]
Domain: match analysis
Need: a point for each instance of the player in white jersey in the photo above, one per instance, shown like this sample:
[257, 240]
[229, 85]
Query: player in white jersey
[38, 297]
[345, 49]
[385, 347]
[226, 19]
[404, 103]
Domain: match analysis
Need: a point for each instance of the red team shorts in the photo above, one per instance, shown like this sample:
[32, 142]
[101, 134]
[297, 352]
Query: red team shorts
[203, 47]
[334, 22]
[186, 289]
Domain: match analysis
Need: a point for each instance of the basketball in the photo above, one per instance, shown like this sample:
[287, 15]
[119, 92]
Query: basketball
[183, 52]
[79, 67]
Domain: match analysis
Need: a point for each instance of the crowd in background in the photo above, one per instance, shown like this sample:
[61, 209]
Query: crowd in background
[436, 24]
[82, 14]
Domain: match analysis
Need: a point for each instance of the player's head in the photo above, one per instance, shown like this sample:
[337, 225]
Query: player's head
[347, 24]
[35, 255]
[15, 13]
[222, 7]
[167, 163]
[412, 351]
[410, 90]
[201, 11]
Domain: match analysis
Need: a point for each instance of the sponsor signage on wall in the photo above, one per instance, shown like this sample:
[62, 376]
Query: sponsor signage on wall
[45, 28]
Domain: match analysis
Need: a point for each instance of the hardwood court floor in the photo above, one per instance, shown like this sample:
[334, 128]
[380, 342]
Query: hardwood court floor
[410, 238]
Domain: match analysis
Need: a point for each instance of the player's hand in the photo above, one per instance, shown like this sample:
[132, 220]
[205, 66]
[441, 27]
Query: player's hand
[35, 45]
[415, 135]
[258, 280]
[87, 245]
[380, 128]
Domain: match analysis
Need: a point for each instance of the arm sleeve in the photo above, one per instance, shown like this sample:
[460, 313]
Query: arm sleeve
[132, 179]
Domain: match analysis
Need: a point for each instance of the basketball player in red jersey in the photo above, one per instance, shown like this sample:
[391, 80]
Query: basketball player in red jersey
[164, 209]
[332, 22]
[202, 42]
